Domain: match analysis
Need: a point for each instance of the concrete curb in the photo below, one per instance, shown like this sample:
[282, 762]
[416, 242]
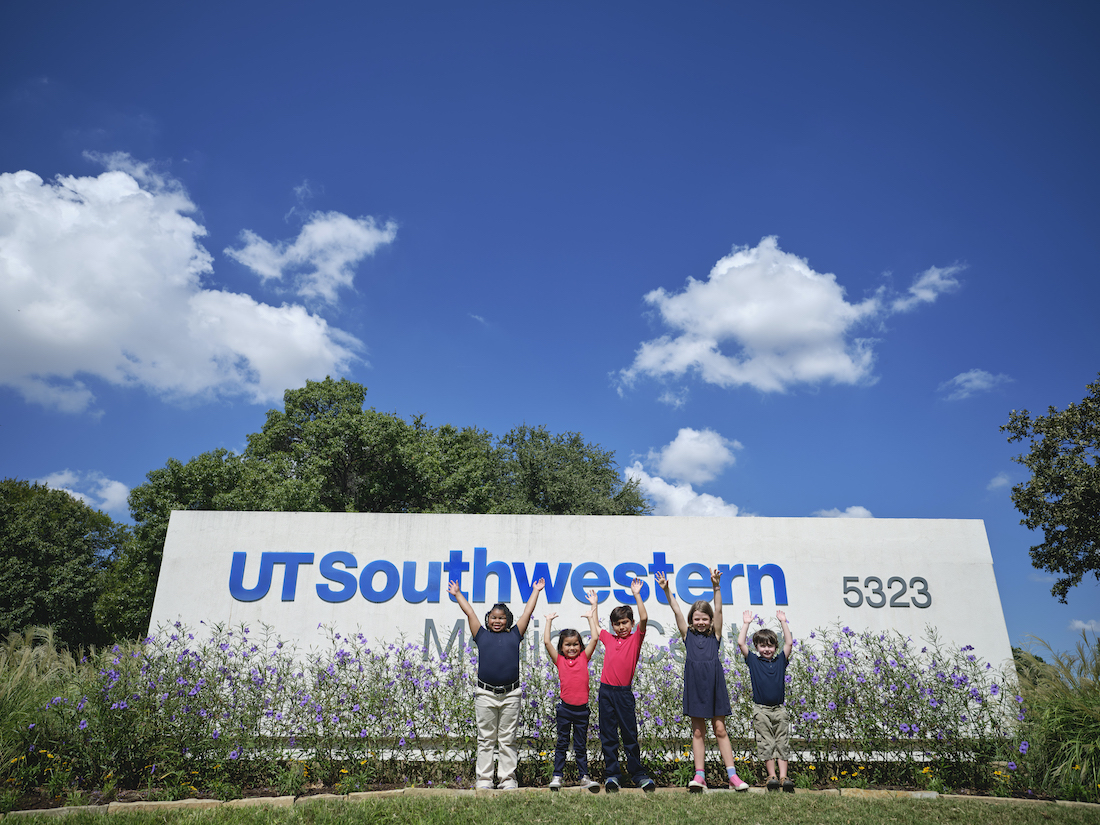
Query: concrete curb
[871, 793]
[261, 802]
[179, 804]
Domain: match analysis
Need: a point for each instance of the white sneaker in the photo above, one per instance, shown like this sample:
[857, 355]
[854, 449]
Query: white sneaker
[508, 785]
[483, 785]
[590, 784]
[555, 783]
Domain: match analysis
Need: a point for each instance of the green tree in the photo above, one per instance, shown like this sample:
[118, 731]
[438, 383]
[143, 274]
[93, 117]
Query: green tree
[562, 475]
[325, 452]
[1063, 494]
[54, 550]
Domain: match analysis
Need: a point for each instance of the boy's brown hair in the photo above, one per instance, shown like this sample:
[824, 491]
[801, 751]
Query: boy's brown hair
[623, 611]
[765, 636]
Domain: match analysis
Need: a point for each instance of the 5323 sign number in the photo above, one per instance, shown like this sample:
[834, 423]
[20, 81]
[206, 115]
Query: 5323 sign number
[876, 596]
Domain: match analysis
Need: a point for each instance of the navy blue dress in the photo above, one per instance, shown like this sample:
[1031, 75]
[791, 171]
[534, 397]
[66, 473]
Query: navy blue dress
[705, 692]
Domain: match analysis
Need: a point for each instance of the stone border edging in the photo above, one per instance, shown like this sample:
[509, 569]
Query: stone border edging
[362, 796]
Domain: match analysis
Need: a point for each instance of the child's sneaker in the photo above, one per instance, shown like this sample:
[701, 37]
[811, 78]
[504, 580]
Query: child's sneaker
[738, 784]
[773, 784]
[483, 785]
[696, 785]
[555, 783]
[590, 784]
[611, 786]
[788, 786]
[648, 785]
[508, 785]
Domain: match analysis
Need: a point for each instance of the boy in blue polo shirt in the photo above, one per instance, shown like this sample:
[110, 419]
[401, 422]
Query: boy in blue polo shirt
[767, 669]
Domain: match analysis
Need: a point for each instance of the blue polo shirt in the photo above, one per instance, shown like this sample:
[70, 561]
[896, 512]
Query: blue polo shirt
[498, 655]
[768, 684]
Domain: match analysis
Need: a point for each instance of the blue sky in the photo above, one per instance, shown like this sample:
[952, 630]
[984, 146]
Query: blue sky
[784, 259]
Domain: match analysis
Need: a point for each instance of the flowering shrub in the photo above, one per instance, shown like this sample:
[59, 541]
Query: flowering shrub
[238, 707]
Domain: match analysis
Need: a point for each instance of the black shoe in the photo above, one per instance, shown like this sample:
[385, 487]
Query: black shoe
[648, 785]
[788, 786]
[773, 784]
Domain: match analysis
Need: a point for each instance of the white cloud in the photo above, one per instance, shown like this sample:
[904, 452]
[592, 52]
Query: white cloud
[998, 481]
[855, 511]
[966, 384]
[1092, 625]
[322, 259]
[675, 399]
[928, 286]
[764, 318]
[694, 456]
[101, 276]
[677, 499]
[93, 488]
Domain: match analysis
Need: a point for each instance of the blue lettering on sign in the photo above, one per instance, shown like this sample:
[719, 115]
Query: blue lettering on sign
[345, 578]
[380, 580]
[267, 563]
[694, 577]
[625, 574]
[389, 589]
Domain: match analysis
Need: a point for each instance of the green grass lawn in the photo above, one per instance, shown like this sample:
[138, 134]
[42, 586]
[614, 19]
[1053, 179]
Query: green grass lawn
[626, 809]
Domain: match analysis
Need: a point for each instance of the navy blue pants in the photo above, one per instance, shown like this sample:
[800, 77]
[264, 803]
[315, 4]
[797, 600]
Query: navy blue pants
[618, 716]
[572, 718]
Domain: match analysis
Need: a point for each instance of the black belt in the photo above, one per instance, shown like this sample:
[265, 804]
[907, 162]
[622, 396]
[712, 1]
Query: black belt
[498, 689]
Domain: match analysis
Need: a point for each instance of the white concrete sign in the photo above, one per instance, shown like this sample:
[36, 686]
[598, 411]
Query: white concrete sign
[386, 575]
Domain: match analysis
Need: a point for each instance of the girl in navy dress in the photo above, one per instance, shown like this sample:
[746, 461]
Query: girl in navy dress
[705, 693]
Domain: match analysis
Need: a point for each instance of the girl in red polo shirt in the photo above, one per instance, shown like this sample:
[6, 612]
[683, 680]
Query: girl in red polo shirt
[571, 657]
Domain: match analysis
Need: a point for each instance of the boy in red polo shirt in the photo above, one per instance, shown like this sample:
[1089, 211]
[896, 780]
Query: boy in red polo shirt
[616, 701]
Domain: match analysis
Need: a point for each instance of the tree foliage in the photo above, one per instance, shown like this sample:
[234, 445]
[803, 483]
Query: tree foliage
[1062, 497]
[54, 550]
[325, 452]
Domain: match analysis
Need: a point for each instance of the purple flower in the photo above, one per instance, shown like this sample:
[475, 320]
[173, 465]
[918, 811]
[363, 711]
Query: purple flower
[1012, 766]
[994, 690]
[1023, 747]
[83, 724]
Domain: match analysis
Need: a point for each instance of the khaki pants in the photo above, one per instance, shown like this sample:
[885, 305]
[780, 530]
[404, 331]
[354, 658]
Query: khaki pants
[773, 732]
[497, 717]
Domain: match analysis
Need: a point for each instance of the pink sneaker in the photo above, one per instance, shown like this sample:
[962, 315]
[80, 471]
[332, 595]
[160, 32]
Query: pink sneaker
[738, 784]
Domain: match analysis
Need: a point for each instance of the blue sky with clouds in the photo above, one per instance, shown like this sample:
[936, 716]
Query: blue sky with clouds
[793, 259]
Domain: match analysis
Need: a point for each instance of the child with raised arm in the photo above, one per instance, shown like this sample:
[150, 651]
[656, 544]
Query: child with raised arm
[618, 716]
[571, 659]
[766, 670]
[705, 693]
[497, 694]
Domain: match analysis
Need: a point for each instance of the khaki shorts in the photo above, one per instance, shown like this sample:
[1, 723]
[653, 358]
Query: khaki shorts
[773, 732]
